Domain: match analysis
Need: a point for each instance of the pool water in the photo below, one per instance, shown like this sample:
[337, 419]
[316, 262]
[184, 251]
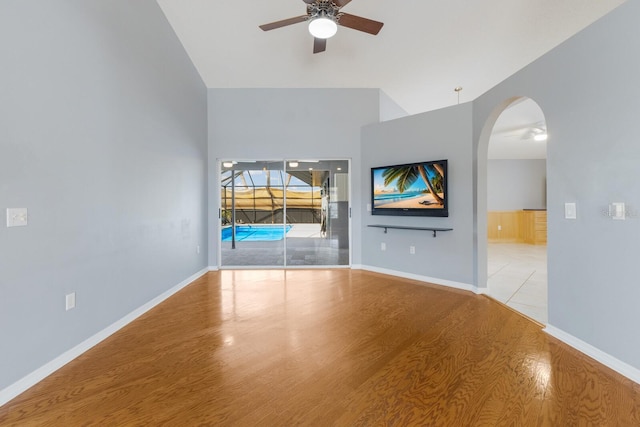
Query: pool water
[256, 233]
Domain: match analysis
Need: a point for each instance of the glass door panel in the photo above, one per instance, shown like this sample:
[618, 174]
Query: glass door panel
[317, 201]
[252, 214]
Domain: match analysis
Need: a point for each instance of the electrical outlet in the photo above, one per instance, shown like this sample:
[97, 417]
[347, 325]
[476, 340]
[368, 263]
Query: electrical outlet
[198, 249]
[412, 250]
[70, 301]
[383, 246]
[499, 228]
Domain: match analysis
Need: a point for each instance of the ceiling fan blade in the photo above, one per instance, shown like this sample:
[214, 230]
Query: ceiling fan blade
[319, 45]
[361, 24]
[341, 3]
[309, 1]
[283, 23]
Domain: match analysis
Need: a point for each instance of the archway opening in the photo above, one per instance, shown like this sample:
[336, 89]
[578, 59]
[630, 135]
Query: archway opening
[515, 208]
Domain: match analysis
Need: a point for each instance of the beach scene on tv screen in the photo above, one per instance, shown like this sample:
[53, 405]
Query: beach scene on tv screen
[415, 186]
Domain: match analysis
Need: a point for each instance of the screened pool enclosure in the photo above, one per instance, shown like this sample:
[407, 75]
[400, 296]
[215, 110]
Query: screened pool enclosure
[284, 213]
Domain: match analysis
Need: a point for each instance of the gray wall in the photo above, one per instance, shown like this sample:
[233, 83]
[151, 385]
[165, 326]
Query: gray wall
[103, 138]
[585, 89]
[389, 109]
[437, 135]
[270, 124]
[516, 184]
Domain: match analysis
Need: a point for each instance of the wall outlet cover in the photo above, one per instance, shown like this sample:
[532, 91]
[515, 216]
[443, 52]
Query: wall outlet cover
[70, 301]
[617, 210]
[17, 217]
[570, 211]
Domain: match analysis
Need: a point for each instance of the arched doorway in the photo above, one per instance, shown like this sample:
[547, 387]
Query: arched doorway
[515, 208]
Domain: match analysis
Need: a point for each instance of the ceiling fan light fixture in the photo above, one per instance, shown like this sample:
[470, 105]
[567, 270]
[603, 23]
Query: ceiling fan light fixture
[323, 27]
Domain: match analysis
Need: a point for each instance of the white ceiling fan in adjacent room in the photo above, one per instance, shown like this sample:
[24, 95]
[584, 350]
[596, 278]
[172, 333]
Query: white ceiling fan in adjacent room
[519, 133]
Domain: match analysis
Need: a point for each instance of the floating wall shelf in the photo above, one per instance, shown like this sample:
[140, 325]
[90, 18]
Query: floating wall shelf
[404, 227]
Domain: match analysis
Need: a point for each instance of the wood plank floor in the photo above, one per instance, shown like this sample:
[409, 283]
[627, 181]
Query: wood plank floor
[328, 347]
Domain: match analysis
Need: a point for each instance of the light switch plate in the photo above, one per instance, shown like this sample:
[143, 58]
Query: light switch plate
[17, 217]
[617, 210]
[570, 211]
[70, 301]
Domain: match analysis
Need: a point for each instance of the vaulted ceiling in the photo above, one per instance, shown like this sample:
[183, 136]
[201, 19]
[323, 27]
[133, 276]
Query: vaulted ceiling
[425, 49]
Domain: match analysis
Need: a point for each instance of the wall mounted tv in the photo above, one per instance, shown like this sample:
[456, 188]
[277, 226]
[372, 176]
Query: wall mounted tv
[412, 189]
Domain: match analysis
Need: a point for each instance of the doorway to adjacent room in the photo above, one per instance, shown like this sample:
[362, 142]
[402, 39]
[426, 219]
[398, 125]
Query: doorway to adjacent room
[516, 209]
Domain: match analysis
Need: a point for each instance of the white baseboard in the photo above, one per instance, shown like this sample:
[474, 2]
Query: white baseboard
[44, 371]
[213, 268]
[435, 281]
[606, 359]
[595, 353]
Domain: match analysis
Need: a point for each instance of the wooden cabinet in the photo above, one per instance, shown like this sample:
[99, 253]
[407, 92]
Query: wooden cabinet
[505, 226]
[535, 227]
[525, 226]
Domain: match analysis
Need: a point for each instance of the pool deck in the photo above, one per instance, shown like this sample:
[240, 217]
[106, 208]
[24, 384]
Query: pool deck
[305, 246]
[304, 230]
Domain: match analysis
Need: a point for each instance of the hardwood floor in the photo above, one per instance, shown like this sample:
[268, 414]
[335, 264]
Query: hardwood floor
[328, 347]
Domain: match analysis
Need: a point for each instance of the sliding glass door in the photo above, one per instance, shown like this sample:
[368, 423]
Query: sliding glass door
[319, 213]
[252, 198]
[292, 213]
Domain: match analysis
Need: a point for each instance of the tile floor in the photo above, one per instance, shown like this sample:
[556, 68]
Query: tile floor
[518, 277]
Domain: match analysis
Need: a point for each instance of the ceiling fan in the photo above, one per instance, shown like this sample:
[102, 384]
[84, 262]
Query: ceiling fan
[324, 16]
[526, 132]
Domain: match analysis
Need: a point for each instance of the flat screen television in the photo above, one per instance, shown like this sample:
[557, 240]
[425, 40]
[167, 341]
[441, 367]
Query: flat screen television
[412, 189]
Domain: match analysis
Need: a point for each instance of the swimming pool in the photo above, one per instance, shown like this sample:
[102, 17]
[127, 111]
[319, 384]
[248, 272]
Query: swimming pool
[256, 233]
